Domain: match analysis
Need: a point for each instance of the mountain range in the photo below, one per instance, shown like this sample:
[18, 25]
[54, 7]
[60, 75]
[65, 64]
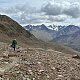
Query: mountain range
[66, 35]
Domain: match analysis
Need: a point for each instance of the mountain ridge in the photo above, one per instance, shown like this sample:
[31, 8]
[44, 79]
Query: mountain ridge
[63, 35]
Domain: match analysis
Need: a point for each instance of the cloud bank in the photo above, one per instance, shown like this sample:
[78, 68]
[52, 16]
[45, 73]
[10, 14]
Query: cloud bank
[48, 13]
[68, 9]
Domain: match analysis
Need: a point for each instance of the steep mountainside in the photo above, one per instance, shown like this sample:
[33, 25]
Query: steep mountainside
[67, 30]
[72, 40]
[42, 32]
[10, 29]
[69, 36]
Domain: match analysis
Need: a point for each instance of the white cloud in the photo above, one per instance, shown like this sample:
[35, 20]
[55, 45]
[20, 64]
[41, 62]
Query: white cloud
[25, 14]
[69, 9]
[50, 13]
[73, 10]
[58, 18]
[52, 9]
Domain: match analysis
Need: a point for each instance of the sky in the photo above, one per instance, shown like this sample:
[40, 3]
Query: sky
[48, 12]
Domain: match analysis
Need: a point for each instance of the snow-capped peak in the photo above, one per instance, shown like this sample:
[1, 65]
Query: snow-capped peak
[50, 27]
[56, 28]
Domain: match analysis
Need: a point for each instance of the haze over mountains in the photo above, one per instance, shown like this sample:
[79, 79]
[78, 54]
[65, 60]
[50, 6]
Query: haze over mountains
[67, 35]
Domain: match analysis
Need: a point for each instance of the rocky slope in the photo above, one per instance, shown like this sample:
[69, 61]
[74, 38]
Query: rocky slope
[10, 29]
[37, 64]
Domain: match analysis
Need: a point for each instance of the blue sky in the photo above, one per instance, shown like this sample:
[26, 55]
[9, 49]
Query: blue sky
[58, 12]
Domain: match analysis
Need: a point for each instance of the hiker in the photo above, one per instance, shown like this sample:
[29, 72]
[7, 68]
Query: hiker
[14, 43]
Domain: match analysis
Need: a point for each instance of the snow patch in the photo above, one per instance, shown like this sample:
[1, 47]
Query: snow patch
[51, 28]
[56, 28]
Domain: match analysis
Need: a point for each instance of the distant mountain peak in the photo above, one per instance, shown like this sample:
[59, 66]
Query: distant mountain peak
[67, 35]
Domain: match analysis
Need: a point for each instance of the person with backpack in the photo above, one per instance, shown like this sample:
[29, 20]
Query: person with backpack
[14, 43]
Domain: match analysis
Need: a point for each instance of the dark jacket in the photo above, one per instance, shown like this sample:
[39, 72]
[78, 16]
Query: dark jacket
[14, 42]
